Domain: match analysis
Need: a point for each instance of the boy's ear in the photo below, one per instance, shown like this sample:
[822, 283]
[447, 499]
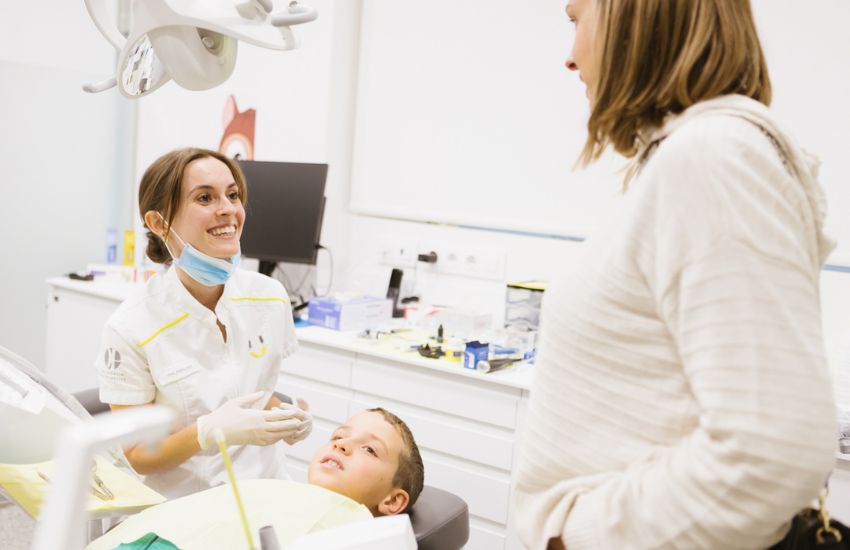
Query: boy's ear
[394, 503]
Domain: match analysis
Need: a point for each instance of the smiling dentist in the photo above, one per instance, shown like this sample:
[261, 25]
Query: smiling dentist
[204, 338]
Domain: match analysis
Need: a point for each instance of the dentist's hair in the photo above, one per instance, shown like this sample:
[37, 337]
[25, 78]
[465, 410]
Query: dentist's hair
[656, 57]
[160, 188]
[410, 474]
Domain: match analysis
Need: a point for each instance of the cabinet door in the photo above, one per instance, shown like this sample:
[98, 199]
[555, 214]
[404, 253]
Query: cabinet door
[74, 325]
[838, 502]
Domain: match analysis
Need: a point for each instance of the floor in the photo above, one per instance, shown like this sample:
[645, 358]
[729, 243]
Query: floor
[16, 527]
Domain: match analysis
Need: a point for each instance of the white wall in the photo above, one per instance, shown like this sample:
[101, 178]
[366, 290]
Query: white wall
[323, 75]
[63, 175]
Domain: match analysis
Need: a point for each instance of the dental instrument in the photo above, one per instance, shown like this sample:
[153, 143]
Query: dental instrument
[222, 447]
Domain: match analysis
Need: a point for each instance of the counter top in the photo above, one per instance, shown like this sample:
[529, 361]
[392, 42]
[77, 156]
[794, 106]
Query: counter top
[117, 291]
[398, 348]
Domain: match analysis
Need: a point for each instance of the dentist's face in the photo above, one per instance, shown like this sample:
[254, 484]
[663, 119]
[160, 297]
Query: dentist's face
[582, 14]
[211, 215]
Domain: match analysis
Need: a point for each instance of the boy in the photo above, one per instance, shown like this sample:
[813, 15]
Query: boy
[372, 459]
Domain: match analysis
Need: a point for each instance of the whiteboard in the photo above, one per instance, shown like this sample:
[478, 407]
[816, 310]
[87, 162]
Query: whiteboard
[466, 114]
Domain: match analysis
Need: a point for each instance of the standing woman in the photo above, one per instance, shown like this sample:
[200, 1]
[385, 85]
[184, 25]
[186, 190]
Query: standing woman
[682, 397]
[203, 338]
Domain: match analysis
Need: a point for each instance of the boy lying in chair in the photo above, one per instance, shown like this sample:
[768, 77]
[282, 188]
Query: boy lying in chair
[372, 459]
[370, 467]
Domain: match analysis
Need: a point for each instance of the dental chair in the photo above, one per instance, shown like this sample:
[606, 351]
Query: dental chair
[439, 518]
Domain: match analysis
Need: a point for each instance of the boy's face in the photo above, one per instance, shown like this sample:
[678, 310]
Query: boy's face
[360, 462]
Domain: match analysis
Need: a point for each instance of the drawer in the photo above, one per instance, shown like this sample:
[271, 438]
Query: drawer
[487, 496]
[482, 538]
[297, 470]
[838, 500]
[328, 402]
[320, 364]
[442, 392]
[439, 433]
[305, 449]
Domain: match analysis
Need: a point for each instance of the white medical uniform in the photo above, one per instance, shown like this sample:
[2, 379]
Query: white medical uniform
[162, 346]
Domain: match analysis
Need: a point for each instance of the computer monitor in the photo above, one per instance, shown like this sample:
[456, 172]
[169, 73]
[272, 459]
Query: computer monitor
[283, 221]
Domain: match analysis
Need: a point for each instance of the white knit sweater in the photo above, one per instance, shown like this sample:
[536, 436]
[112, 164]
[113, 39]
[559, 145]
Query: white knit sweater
[681, 397]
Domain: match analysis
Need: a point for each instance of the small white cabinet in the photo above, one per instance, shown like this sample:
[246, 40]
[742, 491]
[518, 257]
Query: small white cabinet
[838, 501]
[76, 314]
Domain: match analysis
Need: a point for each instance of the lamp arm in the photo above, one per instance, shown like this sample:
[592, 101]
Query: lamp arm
[102, 86]
[100, 15]
[296, 15]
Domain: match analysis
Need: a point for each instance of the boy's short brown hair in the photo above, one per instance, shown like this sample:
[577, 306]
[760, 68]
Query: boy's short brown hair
[410, 475]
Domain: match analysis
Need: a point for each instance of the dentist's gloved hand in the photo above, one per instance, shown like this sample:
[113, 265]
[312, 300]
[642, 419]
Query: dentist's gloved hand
[243, 425]
[303, 418]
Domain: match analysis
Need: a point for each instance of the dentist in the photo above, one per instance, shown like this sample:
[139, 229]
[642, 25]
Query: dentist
[204, 338]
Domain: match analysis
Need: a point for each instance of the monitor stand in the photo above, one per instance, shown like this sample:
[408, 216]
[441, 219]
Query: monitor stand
[267, 267]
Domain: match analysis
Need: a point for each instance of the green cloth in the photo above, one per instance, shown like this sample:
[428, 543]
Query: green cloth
[149, 541]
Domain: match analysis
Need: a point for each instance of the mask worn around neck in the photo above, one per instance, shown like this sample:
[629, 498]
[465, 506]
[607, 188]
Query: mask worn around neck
[202, 267]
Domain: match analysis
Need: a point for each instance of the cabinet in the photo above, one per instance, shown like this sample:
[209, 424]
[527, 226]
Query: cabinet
[466, 427]
[76, 314]
[838, 501]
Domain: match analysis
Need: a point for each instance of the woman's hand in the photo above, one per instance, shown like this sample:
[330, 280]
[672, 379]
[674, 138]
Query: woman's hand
[304, 421]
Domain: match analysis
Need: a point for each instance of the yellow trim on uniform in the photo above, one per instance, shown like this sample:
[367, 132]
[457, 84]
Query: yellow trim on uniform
[259, 299]
[160, 329]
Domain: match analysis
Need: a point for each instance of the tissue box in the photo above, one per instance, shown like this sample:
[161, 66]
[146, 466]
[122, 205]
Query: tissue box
[356, 313]
[463, 322]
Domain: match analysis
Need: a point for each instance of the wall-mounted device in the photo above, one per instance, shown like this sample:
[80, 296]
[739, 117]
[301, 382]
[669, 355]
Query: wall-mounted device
[394, 291]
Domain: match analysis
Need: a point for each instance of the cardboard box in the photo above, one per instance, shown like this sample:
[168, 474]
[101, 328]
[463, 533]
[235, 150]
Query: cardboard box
[355, 313]
[475, 351]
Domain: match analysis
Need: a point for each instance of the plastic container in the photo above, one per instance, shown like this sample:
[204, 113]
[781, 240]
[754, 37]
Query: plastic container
[111, 245]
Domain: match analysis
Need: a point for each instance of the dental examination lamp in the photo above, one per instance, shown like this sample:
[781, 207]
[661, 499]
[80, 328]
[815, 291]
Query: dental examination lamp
[192, 42]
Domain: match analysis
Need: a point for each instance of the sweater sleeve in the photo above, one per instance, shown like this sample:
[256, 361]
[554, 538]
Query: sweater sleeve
[733, 283]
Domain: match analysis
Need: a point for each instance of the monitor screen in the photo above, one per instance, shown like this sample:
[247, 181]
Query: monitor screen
[283, 218]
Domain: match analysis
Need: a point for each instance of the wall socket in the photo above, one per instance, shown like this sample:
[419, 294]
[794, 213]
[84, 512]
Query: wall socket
[467, 261]
[464, 261]
[398, 255]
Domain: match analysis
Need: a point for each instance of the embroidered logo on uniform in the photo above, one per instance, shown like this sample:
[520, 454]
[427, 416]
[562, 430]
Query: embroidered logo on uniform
[112, 358]
[259, 350]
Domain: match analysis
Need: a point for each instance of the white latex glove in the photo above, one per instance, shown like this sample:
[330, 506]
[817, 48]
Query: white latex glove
[242, 425]
[303, 418]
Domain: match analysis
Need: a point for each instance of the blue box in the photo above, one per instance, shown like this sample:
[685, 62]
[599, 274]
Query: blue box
[475, 351]
[345, 314]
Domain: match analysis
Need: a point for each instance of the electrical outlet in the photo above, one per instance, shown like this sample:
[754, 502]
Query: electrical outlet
[478, 262]
[398, 255]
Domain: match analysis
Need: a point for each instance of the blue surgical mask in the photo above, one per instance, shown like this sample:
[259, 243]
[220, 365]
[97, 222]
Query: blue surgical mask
[203, 268]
